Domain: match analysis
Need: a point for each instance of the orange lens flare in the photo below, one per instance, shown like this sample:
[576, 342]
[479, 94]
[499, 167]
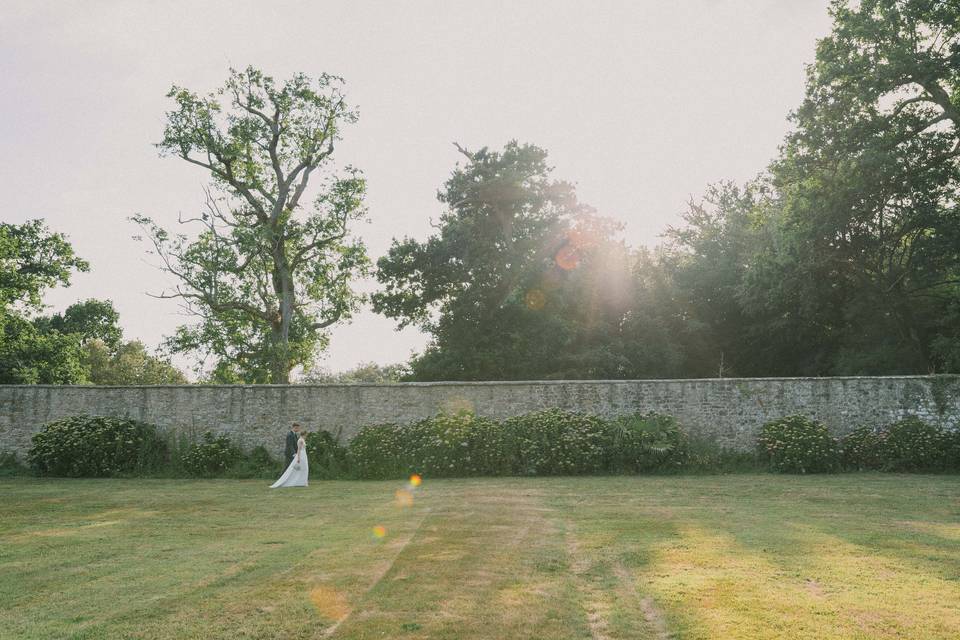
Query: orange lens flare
[535, 299]
[567, 258]
[330, 603]
[403, 498]
[415, 480]
[379, 531]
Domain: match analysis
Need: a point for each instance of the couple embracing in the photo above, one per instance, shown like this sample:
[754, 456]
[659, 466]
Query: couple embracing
[295, 454]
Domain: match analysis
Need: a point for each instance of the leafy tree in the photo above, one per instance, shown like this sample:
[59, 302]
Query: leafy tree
[90, 319]
[521, 280]
[368, 372]
[28, 356]
[267, 274]
[659, 337]
[127, 363]
[32, 259]
[720, 263]
[868, 247]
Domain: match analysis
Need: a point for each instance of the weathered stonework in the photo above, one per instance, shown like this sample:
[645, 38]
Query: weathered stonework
[728, 410]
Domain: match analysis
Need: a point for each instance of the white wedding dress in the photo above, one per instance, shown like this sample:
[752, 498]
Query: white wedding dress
[296, 473]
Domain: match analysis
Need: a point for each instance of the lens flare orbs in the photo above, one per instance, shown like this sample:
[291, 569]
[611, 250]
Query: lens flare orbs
[330, 603]
[403, 498]
[567, 258]
[535, 299]
[415, 480]
[379, 532]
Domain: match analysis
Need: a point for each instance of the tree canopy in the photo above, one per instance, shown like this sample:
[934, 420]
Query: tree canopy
[267, 273]
[843, 257]
[868, 242]
[521, 280]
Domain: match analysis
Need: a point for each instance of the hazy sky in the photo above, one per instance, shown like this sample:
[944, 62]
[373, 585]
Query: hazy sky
[640, 103]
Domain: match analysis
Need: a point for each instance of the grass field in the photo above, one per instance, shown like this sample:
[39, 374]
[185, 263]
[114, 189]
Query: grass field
[742, 556]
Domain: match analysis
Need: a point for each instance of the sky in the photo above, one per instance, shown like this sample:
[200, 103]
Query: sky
[640, 103]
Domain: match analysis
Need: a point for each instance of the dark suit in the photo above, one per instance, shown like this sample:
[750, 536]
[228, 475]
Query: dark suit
[290, 449]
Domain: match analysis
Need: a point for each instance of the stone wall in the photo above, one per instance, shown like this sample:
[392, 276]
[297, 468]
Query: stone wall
[727, 410]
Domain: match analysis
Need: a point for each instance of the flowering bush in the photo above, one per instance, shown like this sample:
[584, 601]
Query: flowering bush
[377, 451]
[647, 442]
[213, 455]
[556, 442]
[462, 444]
[797, 444]
[459, 444]
[96, 446]
[860, 449]
[912, 445]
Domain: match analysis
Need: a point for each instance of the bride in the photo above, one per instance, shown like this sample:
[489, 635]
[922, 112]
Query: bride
[297, 470]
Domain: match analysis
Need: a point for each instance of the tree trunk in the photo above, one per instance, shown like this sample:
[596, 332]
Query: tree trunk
[284, 290]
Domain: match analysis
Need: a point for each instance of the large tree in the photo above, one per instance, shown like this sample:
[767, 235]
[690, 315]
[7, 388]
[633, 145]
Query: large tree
[32, 260]
[127, 363]
[521, 280]
[706, 259]
[90, 319]
[267, 273]
[867, 256]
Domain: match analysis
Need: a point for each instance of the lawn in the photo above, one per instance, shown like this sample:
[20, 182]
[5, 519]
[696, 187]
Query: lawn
[741, 556]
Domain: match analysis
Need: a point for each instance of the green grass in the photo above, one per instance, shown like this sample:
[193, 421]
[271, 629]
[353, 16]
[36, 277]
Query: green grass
[743, 556]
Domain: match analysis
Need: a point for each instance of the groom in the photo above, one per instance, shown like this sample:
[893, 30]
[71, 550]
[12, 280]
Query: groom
[290, 449]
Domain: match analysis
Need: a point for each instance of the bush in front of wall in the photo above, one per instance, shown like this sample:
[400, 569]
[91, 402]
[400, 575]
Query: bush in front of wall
[456, 444]
[213, 455]
[257, 463]
[647, 442]
[97, 446]
[913, 445]
[377, 452]
[557, 442]
[952, 448]
[860, 450]
[797, 444]
[328, 458]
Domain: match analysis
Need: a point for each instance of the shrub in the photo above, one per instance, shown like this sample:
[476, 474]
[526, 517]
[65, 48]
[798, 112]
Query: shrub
[258, 463]
[912, 445]
[860, 449]
[647, 442]
[376, 452]
[328, 458]
[797, 444]
[213, 455]
[458, 444]
[951, 448]
[556, 442]
[96, 446]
